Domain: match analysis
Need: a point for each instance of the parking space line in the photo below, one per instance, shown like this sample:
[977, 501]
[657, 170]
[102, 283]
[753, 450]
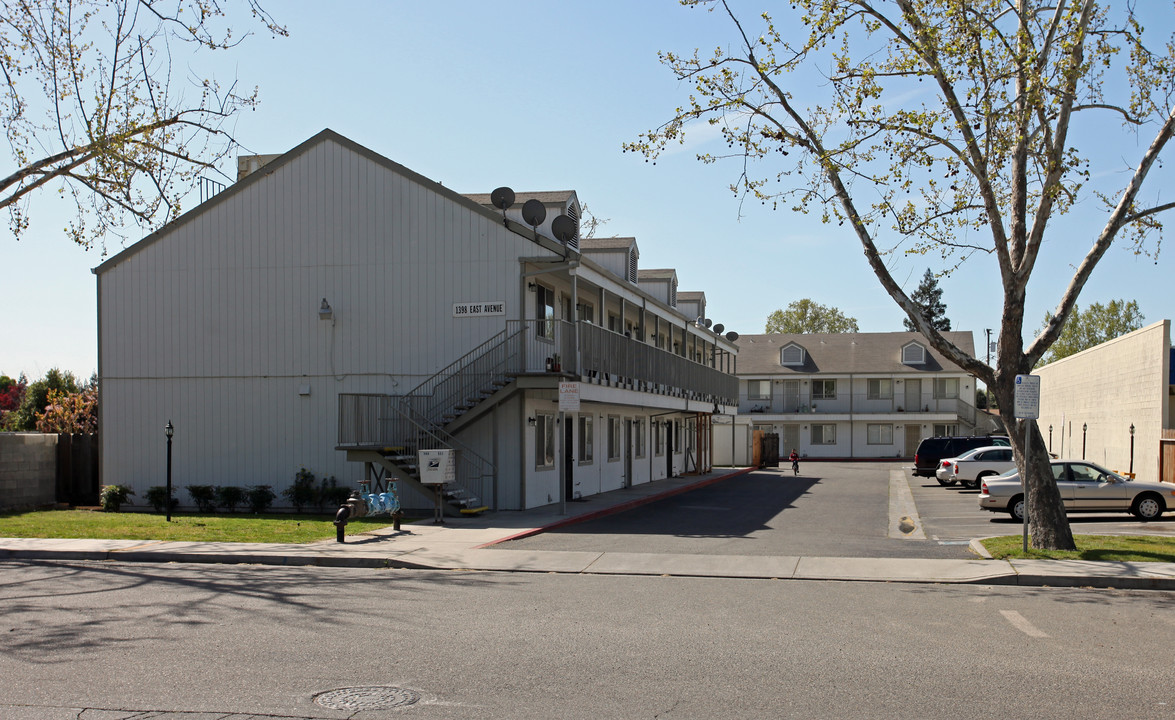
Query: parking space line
[903, 513]
[1019, 622]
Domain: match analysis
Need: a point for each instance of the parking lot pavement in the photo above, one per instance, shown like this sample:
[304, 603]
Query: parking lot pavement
[830, 510]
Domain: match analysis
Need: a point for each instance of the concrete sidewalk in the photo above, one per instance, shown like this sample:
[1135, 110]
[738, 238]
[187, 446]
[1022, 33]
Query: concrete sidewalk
[470, 543]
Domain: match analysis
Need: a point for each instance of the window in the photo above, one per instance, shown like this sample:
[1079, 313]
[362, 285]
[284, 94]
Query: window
[639, 427]
[614, 322]
[565, 307]
[658, 438]
[758, 389]
[823, 389]
[879, 434]
[586, 439]
[946, 430]
[913, 354]
[544, 441]
[880, 389]
[763, 428]
[823, 434]
[587, 313]
[613, 438]
[791, 355]
[946, 388]
[677, 436]
[544, 309]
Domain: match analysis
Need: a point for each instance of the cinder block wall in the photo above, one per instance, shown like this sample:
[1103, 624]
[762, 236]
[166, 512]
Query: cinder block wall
[28, 470]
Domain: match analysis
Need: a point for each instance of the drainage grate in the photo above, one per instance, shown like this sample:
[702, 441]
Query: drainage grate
[376, 697]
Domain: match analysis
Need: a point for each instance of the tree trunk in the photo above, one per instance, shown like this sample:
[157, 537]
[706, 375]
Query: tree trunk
[1048, 523]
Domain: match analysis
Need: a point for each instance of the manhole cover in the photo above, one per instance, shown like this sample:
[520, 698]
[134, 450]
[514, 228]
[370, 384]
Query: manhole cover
[377, 697]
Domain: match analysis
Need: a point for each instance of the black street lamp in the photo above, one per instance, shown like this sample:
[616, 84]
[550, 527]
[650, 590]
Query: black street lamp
[1084, 427]
[1131, 448]
[169, 431]
[1050, 438]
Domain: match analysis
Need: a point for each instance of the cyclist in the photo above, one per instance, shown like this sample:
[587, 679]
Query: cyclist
[795, 461]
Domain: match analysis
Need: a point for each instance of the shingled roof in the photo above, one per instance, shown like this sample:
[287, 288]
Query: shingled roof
[845, 353]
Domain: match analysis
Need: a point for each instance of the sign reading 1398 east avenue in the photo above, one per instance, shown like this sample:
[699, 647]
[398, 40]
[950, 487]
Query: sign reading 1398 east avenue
[478, 309]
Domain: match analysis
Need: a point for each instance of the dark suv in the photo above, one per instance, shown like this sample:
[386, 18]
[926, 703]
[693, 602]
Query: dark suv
[933, 450]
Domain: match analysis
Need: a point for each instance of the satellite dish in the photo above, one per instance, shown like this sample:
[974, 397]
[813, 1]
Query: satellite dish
[719, 328]
[502, 198]
[732, 336]
[707, 322]
[563, 228]
[534, 212]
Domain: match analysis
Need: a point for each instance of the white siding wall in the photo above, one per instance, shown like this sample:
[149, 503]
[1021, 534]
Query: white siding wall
[215, 323]
[1107, 388]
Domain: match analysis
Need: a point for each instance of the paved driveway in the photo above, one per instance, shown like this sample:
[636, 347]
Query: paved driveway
[830, 510]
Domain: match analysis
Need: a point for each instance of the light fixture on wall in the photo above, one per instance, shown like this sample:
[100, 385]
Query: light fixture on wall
[531, 421]
[532, 287]
[324, 311]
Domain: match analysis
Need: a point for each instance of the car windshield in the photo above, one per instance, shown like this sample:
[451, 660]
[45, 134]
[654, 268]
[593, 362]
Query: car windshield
[1008, 474]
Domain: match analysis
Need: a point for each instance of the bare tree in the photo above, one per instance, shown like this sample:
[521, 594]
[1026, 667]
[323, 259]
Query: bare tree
[99, 103]
[945, 125]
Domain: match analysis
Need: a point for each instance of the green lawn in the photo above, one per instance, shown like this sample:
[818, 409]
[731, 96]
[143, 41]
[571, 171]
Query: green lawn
[1106, 548]
[220, 527]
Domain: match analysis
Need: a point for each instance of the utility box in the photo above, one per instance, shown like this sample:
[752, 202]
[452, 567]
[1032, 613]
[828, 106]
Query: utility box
[437, 467]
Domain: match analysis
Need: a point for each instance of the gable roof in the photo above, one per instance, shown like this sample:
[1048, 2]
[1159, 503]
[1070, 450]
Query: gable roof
[608, 243]
[844, 353]
[268, 168]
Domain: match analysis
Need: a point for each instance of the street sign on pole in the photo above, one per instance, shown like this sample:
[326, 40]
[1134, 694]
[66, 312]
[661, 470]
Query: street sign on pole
[569, 397]
[1026, 402]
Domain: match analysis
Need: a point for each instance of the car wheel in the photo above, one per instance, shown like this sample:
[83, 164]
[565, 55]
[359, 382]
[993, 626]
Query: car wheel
[1147, 506]
[1016, 508]
[974, 484]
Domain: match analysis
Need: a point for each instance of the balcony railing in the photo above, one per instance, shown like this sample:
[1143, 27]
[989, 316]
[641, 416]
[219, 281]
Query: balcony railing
[857, 403]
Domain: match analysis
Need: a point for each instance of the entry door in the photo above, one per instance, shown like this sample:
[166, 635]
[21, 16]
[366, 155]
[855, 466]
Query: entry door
[913, 397]
[913, 437]
[791, 395]
[791, 440]
[568, 457]
[628, 452]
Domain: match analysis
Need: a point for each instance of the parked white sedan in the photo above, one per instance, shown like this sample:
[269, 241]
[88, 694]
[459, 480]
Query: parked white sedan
[1084, 487]
[972, 467]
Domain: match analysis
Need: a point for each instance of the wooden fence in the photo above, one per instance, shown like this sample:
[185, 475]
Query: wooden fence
[77, 469]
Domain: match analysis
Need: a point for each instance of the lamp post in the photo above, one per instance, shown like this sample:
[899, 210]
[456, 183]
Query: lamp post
[1050, 438]
[1084, 427]
[1131, 448]
[169, 431]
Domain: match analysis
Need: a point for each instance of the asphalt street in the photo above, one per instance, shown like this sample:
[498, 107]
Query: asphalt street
[114, 641]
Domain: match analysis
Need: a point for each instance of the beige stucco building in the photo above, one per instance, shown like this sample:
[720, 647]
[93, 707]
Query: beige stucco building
[1091, 399]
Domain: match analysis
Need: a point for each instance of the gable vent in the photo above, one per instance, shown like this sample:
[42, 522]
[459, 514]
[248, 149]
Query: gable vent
[573, 213]
[673, 292]
[632, 265]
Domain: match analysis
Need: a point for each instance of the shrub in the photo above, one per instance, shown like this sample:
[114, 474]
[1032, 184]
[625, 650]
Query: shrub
[303, 492]
[229, 497]
[260, 498]
[113, 496]
[158, 499]
[204, 496]
[330, 495]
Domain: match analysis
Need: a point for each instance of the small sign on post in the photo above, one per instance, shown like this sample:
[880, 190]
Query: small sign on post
[1026, 406]
[569, 397]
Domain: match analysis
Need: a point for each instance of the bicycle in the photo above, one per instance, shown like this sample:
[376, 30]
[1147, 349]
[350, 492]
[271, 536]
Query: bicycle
[795, 466]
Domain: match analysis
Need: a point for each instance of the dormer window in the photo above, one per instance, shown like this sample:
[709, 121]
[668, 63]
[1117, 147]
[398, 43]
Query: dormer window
[913, 354]
[792, 355]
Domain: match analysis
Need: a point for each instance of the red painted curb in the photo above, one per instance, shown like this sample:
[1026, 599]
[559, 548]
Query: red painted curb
[616, 508]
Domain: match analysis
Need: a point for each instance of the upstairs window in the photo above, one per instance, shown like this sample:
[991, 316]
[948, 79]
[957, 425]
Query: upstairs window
[880, 389]
[791, 355]
[544, 309]
[823, 389]
[758, 390]
[946, 388]
[913, 354]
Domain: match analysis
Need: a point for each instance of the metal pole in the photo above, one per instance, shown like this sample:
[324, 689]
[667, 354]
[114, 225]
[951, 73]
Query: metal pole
[562, 465]
[1084, 427]
[168, 498]
[1024, 479]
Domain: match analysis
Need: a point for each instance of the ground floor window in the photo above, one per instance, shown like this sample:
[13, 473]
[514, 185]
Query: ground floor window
[639, 426]
[544, 441]
[946, 430]
[613, 438]
[879, 434]
[677, 436]
[586, 439]
[823, 434]
[658, 438]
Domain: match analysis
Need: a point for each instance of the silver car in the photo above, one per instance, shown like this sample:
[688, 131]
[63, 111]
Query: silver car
[1084, 487]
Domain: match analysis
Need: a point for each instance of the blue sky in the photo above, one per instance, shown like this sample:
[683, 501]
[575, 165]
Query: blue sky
[540, 96]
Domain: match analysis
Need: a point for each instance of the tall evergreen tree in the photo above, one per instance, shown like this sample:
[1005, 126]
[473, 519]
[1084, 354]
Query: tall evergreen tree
[928, 296]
